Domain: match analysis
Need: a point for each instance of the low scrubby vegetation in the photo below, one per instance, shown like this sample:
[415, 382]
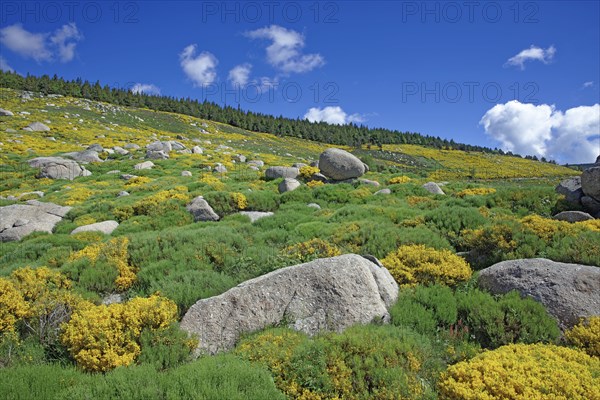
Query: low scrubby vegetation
[96, 316]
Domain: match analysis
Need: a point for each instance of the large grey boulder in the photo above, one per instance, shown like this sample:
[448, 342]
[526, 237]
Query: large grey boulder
[106, 227]
[37, 127]
[197, 150]
[220, 168]
[201, 210]
[58, 168]
[256, 215]
[288, 185]
[568, 291]
[19, 220]
[433, 188]
[176, 145]
[281, 172]
[85, 156]
[590, 182]
[328, 294]
[131, 146]
[160, 146]
[121, 151]
[340, 165]
[96, 147]
[572, 216]
[591, 205]
[257, 163]
[571, 189]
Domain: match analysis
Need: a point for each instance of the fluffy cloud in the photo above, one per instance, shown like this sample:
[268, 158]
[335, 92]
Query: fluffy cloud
[200, 69]
[42, 46]
[65, 39]
[587, 84]
[284, 52]
[569, 137]
[239, 75]
[332, 115]
[146, 88]
[531, 54]
[4, 65]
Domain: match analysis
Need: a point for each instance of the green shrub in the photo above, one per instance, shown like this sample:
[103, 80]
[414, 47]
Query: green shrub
[509, 319]
[165, 348]
[263, 200]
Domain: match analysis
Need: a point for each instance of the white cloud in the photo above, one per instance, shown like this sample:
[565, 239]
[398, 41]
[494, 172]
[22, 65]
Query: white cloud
[200, 69]
[531, 54]
[65, 39]
[4, 65]
[332, 115]
[284, 53]
[146, 88]
[24, 43]
[569, 137]
[265, 83]
[42, 46]
[240, 74]
[587, 84]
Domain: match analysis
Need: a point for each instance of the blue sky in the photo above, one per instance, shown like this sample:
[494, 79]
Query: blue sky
[523, 76]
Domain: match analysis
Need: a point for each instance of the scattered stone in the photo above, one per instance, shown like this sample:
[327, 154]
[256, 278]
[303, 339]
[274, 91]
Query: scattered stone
[114, 171]
[157, 155]
[197, 150]
[19, 220]
[281, 172]
[383, 191]
[38, 193]
[571, 189]
[572, 216]
[329, 294]
[58, 168]
[298, 165]
[288, 185]
[177, 145]
[255, 215]
[144, 165]
[220, 168]
[314, 205]
[131, 146]
[319, 177]
[340, 165]
[121, 151]
[590, 182]
[159, 146]
[6, 113]
[127, 177]
[257, 163]
[433, 188]
[186, 173]
[38, 127]
[201, 210]
[122, 193]
[254, 168]
[568, 291]
[10, 130]
[240, 158]
[368, 182]
[112, 298]
[106, 227]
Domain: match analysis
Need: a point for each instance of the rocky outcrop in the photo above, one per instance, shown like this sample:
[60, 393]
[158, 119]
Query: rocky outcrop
[433, 188]
[328, 294]
[201, 210]
[144, 165]
[281, 172]
[340, 165]
[106, 227]
[568, 291]
[19, 220]
[85, 156]
[58, 168]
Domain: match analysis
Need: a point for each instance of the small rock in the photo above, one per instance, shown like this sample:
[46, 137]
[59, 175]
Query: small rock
[38, 127]
[121, 151]
[281, 172]
[255, 215]
[572, 216]
[314, 205]
[369, 182]
[127, 177]
[220, 168]
[433, 188]
[144, 165]
[383, 191]
[201, 210]
[122, 193]
[96, 147]
[5, 113]
[197, 150]
[288, 185]
[106, 227]
[186, 173]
